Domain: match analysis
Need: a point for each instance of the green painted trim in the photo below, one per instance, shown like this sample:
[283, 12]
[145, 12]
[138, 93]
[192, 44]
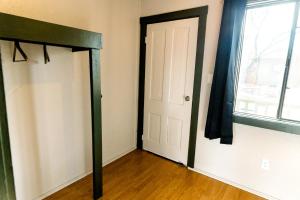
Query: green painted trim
[95, 77]
[197, 86]
[141, 97]
[7, 187]
[267, 123]
[33, 31]
[201, 13]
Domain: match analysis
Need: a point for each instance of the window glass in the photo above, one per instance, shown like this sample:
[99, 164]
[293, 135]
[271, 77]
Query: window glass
[264, 52]
[298, 24]
[291, 108]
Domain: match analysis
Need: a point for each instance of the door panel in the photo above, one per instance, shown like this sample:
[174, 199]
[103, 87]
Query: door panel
[170, 66]
[157, 61]
[174, 130]
[180, 39]
[154, 127]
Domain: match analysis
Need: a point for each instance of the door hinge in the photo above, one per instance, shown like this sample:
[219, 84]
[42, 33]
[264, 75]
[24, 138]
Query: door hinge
[142, 137]
[146, 40]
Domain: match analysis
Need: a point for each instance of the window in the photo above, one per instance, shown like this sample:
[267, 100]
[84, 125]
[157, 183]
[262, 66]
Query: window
[268, 84]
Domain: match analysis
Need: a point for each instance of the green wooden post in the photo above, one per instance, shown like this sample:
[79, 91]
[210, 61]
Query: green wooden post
[94, 55]
[7, 188]
[15, 28]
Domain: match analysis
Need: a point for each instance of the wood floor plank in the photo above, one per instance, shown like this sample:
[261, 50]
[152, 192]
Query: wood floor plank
[143, 176]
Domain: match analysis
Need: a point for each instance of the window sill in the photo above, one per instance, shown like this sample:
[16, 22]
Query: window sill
[267, 123]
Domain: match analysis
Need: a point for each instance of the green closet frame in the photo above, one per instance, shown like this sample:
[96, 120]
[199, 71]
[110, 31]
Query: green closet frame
[15, 28]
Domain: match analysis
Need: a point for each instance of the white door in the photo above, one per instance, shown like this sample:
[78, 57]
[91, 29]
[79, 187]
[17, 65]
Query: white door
[170, 66]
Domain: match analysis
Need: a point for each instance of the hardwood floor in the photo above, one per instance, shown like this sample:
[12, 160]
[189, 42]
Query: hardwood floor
[143, 176]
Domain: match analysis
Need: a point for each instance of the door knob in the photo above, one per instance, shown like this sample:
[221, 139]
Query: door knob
[187, 98]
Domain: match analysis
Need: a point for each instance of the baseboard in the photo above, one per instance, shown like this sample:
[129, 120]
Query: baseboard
[116, 157]
[66, 184]
[60, 187]
[237, 185]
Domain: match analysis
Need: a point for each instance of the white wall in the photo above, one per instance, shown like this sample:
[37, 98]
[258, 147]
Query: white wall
[240, 163]
[49, 105]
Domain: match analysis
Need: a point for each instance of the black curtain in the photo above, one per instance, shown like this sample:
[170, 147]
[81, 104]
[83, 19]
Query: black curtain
[219, 118]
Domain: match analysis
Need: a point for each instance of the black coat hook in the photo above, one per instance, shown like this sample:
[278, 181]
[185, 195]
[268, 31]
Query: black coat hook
[46, 55]
[18, 47]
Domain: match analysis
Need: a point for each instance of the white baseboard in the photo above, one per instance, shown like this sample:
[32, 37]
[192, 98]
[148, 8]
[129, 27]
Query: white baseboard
[237, 185]
[116, 157]
[56, 189]
[60, 187]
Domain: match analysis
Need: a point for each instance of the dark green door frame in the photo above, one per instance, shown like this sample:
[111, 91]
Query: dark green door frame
[14, 28]
[201, 14]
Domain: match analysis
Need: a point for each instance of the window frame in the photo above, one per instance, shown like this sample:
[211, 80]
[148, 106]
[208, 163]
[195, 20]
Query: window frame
[279, 123]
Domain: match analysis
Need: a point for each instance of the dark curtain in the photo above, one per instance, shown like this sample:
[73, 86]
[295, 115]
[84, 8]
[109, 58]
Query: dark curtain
[220, 117]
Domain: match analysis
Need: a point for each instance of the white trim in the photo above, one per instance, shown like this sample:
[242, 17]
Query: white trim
[56, 189]
[254, 3]
[67, 183]
[243, 187]
[118, 156]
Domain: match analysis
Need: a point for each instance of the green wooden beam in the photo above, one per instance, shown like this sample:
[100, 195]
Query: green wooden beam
[94, 55]
[38, 32]
[7, 188]
[14, 28]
